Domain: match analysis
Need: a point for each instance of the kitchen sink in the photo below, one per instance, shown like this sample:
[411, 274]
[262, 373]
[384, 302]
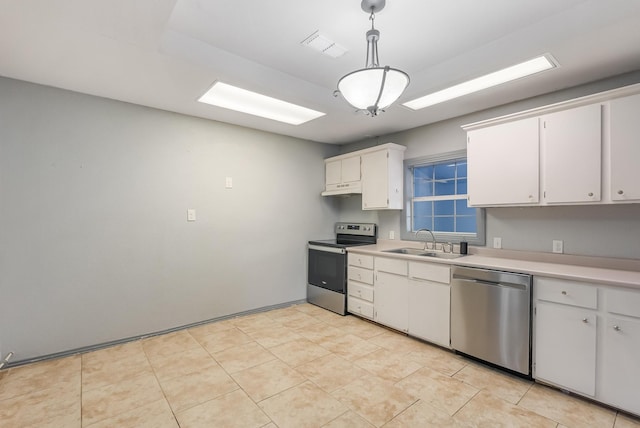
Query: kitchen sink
[423, 253]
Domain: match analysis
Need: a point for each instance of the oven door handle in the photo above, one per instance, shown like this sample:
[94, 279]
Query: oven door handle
[327, 249]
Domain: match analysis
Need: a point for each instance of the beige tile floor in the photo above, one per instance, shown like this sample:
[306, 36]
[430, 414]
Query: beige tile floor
[299, 366]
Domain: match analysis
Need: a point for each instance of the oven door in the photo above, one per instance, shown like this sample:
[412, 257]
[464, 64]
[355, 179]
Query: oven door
[328, 268]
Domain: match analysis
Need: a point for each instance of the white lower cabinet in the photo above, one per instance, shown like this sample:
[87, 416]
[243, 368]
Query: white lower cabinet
[413, 297]
[587, 340]
[429, 302]
[391, 291]
[429, 311]
[360, 285]
[392, 300]
[566, 347]
[620, 374]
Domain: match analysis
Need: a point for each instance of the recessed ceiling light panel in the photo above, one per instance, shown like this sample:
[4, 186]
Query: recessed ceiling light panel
[518, 71]
[238, 99]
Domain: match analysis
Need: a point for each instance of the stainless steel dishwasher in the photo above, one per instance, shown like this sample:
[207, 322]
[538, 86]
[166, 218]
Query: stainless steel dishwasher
[491, 316]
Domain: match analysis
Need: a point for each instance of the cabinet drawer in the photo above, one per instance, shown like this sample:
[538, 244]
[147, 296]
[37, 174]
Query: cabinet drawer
[359, 274]
[360, 291]
[361, 261]
[566, 292]
[623, 302]
[430, 272]
[359, 307]
[399, 267]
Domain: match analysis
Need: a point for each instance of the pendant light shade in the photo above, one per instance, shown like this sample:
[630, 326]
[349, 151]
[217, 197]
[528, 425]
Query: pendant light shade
[373, 88]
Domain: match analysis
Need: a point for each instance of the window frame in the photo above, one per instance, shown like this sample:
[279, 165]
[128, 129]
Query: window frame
[405, 231]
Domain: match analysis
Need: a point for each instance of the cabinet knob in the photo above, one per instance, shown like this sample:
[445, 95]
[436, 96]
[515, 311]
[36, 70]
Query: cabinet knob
[620, 192]
[617, 328]
[564, 293]
[585, 320]
[590, 193]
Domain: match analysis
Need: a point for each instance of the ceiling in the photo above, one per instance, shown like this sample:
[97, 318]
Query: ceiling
[167, 53]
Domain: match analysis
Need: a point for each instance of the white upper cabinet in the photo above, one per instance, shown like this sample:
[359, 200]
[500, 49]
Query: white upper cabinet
[625, 149]
[382, 179]
[503, 164]
[583, 151]
[571, 147]
[343, 175]
[376, 172]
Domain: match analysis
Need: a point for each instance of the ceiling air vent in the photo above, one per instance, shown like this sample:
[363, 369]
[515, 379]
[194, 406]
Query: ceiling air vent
[322, 44]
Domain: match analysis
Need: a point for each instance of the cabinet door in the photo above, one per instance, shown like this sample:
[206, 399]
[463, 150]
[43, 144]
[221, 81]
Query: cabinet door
[391, 300]
[625, 149]
[503, 164]
[571, 155]
[375, 177]
[429, 304]
[333, 172]
[351, 169]
[565, 347]
[620, 375]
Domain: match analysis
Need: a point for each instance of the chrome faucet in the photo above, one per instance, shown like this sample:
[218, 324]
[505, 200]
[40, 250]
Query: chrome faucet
[433, 238]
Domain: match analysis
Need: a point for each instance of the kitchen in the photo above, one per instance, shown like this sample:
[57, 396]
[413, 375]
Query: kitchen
[96, 244]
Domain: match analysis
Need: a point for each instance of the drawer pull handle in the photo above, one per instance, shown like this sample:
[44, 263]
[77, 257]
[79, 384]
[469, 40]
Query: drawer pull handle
[617, 328]
[564, 293]
[590, 193]
[585, 320]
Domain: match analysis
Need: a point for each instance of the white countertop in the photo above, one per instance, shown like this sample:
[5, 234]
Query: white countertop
[618, 272]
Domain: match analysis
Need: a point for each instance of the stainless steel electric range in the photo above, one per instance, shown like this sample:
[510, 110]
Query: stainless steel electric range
[327, 274]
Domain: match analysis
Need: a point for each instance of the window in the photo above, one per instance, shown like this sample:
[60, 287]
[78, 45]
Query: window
[436, 199]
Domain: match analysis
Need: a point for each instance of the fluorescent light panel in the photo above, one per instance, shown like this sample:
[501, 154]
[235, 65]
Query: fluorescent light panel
[524, 69]
[238, 99]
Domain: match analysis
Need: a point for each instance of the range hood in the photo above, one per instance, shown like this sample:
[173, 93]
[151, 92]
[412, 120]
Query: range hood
[344, 191]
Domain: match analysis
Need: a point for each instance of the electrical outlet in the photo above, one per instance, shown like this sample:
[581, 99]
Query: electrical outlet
[557, 246]
[228, 183]
[392, 234]
[497, 242]
[191, 214]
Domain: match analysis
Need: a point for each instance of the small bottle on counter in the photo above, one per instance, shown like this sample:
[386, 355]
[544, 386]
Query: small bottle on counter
[464, 249]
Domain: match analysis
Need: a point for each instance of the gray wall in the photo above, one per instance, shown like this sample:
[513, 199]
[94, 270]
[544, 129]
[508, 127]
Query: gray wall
[95, 246]
[607, 231]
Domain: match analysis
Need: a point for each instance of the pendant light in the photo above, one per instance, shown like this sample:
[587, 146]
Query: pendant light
[373, 88]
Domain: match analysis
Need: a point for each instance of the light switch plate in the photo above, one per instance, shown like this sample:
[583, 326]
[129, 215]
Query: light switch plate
[392, 234]
[497, 242]
[228, 183]
[191, 214]
[558, 246]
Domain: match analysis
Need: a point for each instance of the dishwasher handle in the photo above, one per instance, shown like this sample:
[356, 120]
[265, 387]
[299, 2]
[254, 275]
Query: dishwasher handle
[492, 277]
[492, 283]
